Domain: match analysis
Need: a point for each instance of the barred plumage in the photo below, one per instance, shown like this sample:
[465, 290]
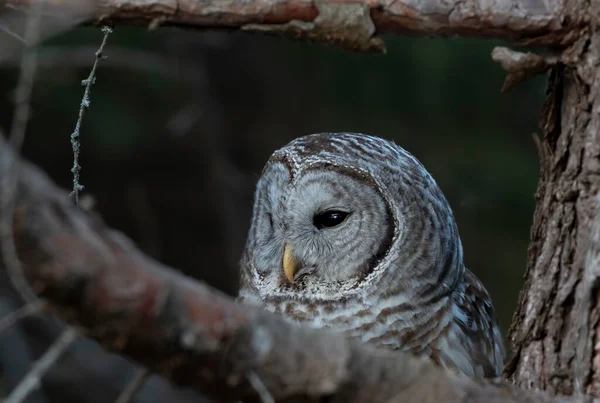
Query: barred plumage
[350, 232]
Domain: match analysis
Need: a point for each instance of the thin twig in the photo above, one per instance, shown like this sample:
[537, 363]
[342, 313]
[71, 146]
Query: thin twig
[29, 309]
[136, 383]
[10, 155]
[41, 366]
[260, 388]
[12, 34]
[85, 103]
[135, 60]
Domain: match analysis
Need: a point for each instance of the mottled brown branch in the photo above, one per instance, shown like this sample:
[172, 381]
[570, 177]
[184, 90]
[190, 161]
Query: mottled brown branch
[353, 23]
[194, 335]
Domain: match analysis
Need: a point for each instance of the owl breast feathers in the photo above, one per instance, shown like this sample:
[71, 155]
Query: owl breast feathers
[350, 232]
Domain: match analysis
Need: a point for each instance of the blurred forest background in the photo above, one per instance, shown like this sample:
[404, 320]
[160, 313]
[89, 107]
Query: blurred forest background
[181, 123]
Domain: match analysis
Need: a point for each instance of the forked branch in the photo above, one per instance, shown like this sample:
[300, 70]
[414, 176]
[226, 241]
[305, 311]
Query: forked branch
[194, 335]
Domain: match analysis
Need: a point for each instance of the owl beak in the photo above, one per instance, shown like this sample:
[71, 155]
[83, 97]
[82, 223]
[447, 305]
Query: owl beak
[290, 264]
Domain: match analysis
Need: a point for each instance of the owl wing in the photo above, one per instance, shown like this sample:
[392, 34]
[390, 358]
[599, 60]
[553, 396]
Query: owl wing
[462, 334]
[473, 341]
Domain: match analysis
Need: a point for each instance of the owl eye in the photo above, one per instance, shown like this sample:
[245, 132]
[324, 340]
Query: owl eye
[329, 219]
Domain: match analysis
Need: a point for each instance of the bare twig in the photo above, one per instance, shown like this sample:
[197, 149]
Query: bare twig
[12, 34]
[136, 383]
[260, 388]
[521, 66]
[85, 103]
[29, 309]
[53, 20]
[10, 156]
[41, 367]
[195, 335]
[135, 60]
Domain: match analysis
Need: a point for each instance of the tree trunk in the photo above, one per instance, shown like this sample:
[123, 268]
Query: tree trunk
[554, 330]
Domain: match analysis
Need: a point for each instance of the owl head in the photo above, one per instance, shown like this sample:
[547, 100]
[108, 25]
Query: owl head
[336, 214]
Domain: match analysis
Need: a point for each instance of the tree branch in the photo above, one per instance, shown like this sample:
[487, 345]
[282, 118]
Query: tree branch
[194, 335]
[352, 23]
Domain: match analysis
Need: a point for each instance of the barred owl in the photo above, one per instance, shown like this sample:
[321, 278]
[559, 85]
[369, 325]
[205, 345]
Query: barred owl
[350, 232]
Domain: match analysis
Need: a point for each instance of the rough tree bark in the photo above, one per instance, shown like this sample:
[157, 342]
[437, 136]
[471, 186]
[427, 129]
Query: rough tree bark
[349, 23]
[555, 329]
[184, 330]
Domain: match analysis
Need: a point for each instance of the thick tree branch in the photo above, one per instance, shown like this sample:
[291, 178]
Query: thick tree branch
[351, 23]
[194, 335]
